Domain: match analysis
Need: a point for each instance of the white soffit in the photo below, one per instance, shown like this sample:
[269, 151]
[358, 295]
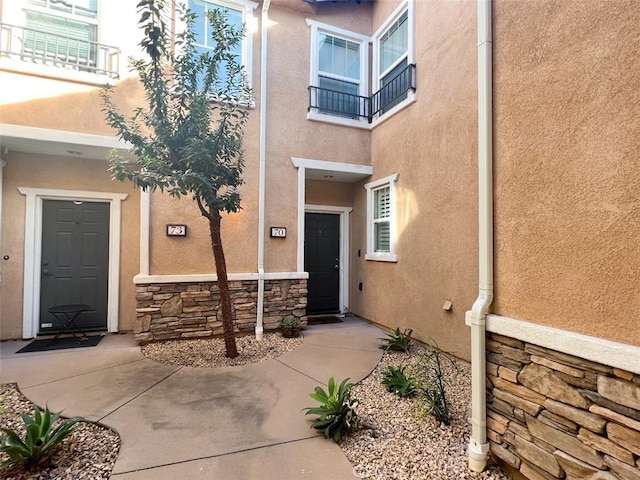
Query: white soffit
[332, 171]
[44, 141]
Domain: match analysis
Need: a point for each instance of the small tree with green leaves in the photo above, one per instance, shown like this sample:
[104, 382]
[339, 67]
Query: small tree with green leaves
[187, 140]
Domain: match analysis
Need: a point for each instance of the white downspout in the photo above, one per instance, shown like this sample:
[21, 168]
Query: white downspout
[476, 317]
[264, 22]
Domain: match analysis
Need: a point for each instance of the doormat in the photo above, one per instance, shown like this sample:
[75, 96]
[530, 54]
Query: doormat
[43, 345]
[323, 320]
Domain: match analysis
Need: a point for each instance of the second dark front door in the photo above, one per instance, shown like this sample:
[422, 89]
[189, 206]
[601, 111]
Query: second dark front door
[322, 261]
[75, 261]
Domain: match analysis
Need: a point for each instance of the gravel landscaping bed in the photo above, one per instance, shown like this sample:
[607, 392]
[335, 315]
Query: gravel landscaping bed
[210, 352]
[397, 440]
[89, 453]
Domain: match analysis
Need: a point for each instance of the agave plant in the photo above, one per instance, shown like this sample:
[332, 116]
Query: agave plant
[397, 381]
[336, 412]
[397, 340]
[39, 441]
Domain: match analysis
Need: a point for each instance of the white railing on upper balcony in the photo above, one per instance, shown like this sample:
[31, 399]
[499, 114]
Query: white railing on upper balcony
[34, 46]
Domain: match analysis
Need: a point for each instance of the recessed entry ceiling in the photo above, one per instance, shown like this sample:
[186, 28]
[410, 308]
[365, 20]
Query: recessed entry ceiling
[334, 176]
[57, 143]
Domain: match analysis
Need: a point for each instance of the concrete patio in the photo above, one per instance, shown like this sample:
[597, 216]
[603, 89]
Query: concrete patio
[230, 423]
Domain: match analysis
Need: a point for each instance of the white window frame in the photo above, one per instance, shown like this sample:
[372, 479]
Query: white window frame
[246, 7]
[371, 187]
[318, 28]
[409, 7]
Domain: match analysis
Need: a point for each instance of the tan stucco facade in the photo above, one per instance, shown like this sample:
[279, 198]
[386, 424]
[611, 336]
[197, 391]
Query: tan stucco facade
[566, 165]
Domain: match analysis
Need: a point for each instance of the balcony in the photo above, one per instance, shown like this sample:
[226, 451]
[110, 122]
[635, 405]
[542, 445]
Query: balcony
[37, 47]
[346, 105]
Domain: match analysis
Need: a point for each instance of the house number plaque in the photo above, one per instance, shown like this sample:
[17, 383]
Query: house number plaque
[278, 232]
[174, 230]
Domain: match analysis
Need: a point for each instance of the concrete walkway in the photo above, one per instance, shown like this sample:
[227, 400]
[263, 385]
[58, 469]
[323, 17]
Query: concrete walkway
[179, 422]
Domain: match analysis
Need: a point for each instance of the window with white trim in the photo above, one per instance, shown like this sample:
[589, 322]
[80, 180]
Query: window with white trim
[394, 58]
[238, 14]
[381, 219]
[64, 31]
[339, 90]
[339, 71]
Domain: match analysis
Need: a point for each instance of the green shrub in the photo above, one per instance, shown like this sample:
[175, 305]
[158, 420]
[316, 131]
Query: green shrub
[397, 382]
[431, 380]
[397, 340]
[336, 412]
[290, 321]
[40, 439]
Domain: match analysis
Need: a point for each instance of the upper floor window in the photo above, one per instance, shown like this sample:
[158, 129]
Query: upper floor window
[335, 92]
[62, 30]
[339, 60]
[238, 14]
[381, 219]
[58, 33]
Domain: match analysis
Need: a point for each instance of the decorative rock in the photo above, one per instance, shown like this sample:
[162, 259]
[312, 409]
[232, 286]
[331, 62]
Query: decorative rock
[505, 455]
[542, 380]
[519, 391]
[545, 362]
[537, 456]
[605, 446]
[619, 391]
[616, 417]
[508, 374]
[558, 422]
[142, 324]
[565, 442]
[623, 374]
[629, 439]
[582, 418]
[625, 472]
[515, 354]
[530, 407]
[621, 409]
[492, 369]
[574, 468]
[533, 473]
[504, 361]
[496, 426]
[501, 406]
[512, 342]
[172, 307]
[568, 359]
[521, 431]
[587, 382]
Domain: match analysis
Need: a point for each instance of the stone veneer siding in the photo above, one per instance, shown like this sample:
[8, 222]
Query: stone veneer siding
[192, 310]
[556, 416]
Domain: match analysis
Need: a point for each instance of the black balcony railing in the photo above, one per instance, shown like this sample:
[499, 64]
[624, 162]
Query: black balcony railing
[352, 106]
[34, 46]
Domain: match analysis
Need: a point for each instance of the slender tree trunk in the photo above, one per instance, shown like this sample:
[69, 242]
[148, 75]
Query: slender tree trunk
[223, 283]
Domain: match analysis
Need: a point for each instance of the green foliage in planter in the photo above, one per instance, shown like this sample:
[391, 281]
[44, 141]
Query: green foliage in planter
[432, 380]
[397, 340]
[39, 441]
[290, 321]
[397, 382]
[336, 412]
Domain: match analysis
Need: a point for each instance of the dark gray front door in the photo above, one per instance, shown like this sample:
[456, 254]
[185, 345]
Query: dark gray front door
[322, 261]
[75, 261]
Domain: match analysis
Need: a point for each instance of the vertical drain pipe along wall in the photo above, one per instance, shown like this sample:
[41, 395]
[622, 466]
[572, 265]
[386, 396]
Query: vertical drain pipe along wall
[264, 23]
[476, 318]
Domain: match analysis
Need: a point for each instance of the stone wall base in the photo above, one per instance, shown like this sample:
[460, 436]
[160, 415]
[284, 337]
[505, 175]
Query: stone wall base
[192, 310]
[556, 416]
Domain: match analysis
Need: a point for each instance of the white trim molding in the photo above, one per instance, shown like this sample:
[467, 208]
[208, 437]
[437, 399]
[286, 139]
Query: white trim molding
[606, 352]
[212, 277]
[345, 256]
[33, 250]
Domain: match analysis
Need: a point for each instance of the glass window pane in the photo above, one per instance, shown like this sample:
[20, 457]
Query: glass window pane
[200, 23]
[382, 203]
[382, 234]
[59, 37]
[338, 56]
[394, 43]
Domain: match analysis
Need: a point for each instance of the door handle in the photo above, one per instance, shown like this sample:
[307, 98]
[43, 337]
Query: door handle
[45, 272]
[337, 265]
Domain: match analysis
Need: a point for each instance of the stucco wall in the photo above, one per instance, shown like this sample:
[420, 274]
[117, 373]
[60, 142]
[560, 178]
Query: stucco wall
[25, 170]
[566, 165]
[432, 145]
[289, 133]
